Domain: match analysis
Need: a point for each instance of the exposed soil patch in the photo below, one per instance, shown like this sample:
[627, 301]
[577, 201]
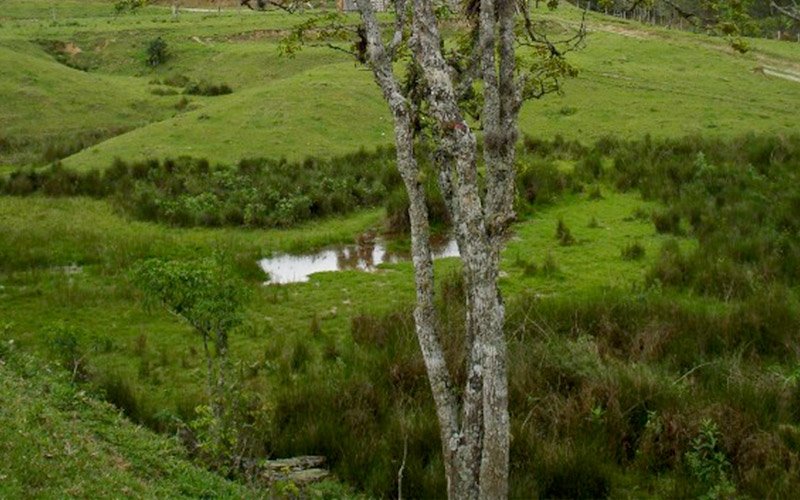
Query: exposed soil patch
[71, 49]
[784, 73]
[256, 35]
[625, 31]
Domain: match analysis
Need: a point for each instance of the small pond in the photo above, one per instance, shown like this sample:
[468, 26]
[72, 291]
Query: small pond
[364, 256]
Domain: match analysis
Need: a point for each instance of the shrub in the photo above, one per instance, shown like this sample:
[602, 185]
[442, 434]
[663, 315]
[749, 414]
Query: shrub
[256, 192]
[159, 91]
[156, 52]
[633, 251]
[563, 234]
[397, 205]
[590, 166]
[207, 89]
[182, 104]
[68, 345]
[667, 222]
[708, 463]
[596, 194]
[539, 181]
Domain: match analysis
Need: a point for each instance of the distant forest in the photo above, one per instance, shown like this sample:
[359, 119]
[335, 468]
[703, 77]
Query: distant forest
[757, 18]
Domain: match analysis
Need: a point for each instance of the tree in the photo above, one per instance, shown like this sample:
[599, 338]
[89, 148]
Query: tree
[732, 19]
[438, 87]
[285, 5]
[204, 294]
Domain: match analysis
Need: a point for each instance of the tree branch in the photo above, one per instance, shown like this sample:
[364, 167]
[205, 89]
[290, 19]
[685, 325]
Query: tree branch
[790, 12]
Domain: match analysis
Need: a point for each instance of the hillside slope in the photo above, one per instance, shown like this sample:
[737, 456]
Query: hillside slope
[58, 442]
[634, 80]
[50, 105]
[326, 111]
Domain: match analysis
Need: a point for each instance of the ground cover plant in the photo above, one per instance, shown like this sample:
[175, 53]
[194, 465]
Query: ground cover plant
[254, 193]
[59, 441]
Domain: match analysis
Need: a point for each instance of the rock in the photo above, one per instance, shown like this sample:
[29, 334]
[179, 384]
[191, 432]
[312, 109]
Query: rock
[295, 463]
[301, 471]
[305, 477]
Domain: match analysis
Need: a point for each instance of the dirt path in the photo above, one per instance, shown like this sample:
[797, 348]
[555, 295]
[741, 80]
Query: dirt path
[784, 73]
[624, 31]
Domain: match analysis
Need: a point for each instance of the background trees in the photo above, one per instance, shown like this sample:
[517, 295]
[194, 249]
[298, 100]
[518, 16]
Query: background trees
[743, 17]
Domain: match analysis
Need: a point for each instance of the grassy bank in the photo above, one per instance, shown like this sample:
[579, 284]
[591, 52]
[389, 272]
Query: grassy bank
[59, 442]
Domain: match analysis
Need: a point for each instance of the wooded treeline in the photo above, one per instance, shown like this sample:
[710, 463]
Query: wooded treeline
[758, 18]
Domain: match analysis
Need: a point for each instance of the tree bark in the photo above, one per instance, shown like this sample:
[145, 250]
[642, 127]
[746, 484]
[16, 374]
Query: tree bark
[792, 12]
[424, 312]
[482, 454]
[474, 429]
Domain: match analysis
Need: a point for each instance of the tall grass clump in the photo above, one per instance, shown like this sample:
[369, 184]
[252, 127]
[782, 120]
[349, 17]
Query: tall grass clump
[540, 182]
[606, 390]
[737, 197]
[205, 88]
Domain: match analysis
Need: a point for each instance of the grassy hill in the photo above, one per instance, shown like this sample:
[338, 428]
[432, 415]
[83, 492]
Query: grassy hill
[634, 80]
[51, 109]
[58, 442]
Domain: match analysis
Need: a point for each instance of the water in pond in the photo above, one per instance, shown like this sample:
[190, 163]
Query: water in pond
[365, 256]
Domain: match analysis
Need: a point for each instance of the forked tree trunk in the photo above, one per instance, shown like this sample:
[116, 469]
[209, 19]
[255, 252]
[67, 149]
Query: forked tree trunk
[474, 428]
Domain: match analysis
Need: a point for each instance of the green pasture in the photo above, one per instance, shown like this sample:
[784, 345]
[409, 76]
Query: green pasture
[633, 80]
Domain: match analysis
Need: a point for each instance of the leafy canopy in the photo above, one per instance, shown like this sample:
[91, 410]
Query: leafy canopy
[202, 292]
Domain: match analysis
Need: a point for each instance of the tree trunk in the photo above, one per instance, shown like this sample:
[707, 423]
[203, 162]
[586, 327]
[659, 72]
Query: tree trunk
[474, 430]
[424, 313]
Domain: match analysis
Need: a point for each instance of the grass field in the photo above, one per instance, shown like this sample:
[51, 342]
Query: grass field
[616, 370]
[633, 81]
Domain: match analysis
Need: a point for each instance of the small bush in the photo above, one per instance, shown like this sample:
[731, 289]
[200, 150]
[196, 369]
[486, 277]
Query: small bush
[539, 181]
[182, 104]
[68, 345]
[563, 234]
[667, 222]
[397, 205]
[596, 194]
[163, 91]
[156, 52]
[590, 166]
[633, 251]
[207, 89]
[708, 463]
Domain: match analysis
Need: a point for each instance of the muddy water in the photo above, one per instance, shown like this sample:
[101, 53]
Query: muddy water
[365, 256]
